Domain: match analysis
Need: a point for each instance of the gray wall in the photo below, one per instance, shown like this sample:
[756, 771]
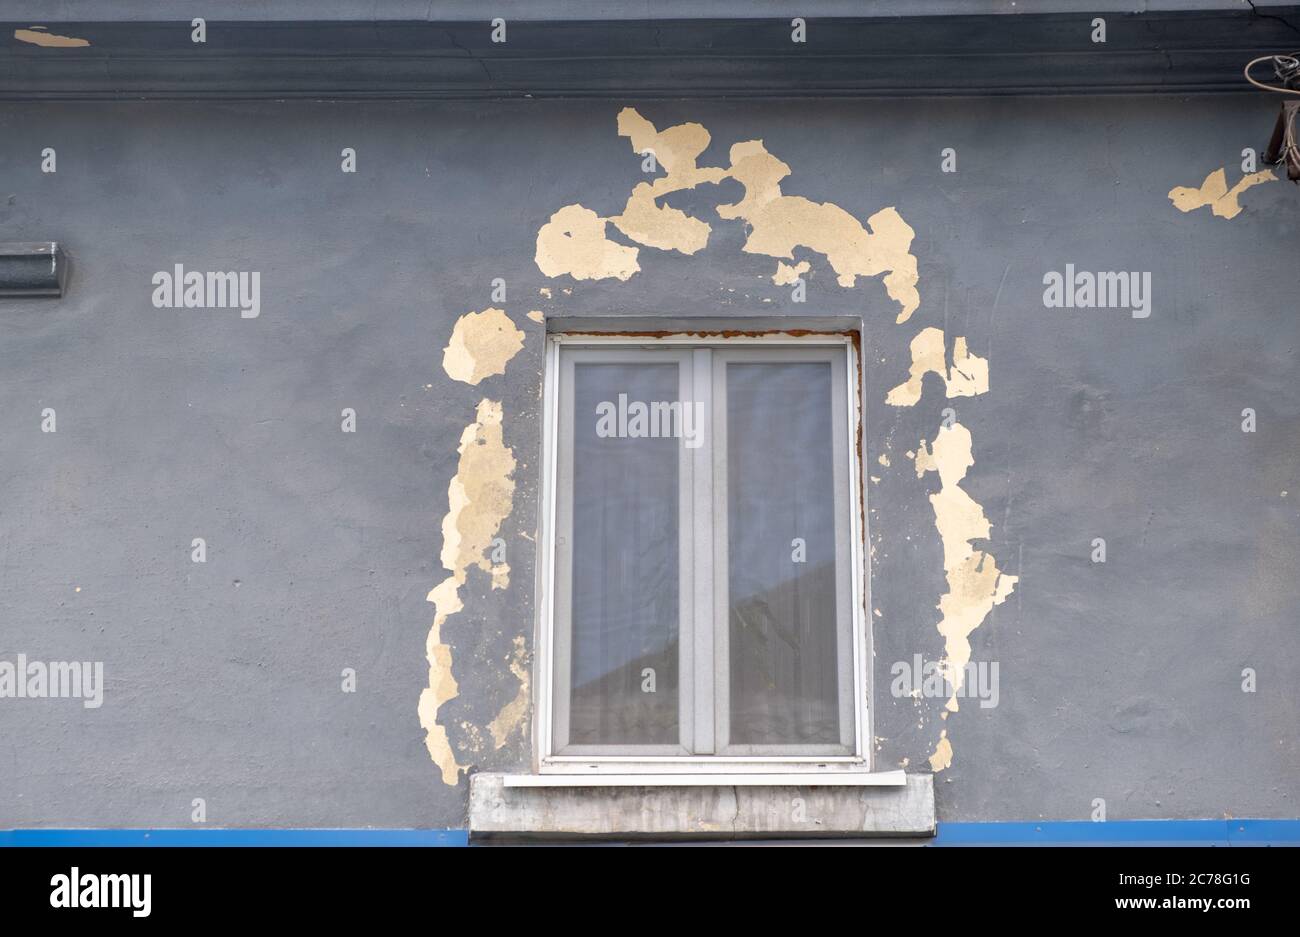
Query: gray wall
[1120, 681]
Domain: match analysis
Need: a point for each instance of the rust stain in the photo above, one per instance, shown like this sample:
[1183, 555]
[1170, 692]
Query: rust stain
[717, 333]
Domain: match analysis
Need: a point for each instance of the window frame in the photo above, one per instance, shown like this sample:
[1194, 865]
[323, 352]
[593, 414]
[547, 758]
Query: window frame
[857, 757]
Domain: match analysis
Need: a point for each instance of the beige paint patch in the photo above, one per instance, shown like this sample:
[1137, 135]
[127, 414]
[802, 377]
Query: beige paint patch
[574, 242]
[480, 497]
[482, 344]
[975, 584]
[660, 226]
[511, 716]
[779, 223]
[786, 275]
[968, 376]
[38, 36]
[537, 316]
[1214, 192]
[677, 151]
[942, 756]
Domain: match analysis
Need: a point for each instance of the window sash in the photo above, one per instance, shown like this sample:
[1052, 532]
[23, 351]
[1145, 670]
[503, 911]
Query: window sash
[563, 555]
[703, 624]
[720, 611]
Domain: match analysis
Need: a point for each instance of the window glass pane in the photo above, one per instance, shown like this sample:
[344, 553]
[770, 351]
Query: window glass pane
[781, 549]
[625, 559]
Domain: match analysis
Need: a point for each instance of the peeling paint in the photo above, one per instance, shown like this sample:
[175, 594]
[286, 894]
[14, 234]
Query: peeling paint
[975, 584]
[942, 756]
[574, 241]
[677, 151]
[472, 737]
[1214, 192]
[38, 36]
[786, 275]
[512, 714]
[779, 223]
[537, 316]
[481, 345]
[660, 226]
[968, 376]
[480, 497]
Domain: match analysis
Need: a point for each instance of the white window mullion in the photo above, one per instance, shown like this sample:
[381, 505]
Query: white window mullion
[688, 576]
[702, 547]
[719, 562]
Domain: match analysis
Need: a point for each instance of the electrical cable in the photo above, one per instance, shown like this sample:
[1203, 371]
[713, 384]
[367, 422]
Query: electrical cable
[1286, 67]
[1287, 70]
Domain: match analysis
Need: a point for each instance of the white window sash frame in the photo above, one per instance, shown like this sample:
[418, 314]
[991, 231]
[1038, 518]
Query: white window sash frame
[847, 687]
[687, 606]
[546, 760]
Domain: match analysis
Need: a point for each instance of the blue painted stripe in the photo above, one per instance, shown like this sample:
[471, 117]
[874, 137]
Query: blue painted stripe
[1053, 833]
[1264, 832]
[1122, 833]
[246, 837]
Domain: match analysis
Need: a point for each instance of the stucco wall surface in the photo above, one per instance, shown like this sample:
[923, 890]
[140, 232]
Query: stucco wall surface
[1120, 680]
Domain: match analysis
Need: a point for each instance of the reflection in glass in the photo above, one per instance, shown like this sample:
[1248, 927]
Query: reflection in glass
[625, 565]
[781, 535]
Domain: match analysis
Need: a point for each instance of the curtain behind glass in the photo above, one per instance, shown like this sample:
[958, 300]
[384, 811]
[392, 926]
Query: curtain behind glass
[781, 548]
[625, 566]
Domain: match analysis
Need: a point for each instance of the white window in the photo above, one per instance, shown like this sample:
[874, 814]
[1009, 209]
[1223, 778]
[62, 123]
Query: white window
[702, 581]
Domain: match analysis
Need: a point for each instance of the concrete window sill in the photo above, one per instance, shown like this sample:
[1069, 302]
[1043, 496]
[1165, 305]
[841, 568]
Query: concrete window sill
[739, 811]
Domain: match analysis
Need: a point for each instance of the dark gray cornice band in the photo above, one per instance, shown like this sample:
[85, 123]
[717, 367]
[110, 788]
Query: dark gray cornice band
[1164, 51]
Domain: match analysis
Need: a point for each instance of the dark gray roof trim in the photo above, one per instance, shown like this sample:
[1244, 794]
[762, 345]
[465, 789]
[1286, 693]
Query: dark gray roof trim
[1163, 51]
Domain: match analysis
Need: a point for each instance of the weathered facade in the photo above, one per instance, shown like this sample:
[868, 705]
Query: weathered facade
[1153, 672]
